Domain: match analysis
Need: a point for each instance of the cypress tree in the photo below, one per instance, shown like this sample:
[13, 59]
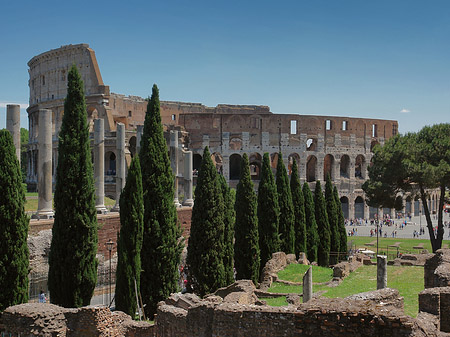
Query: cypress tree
[13, 227]
[161, 248]
[286, 225]
[298, 202]
[312, 237]
[130, 240]
[229, 218]
[206, 240]
[72, 260]
[341, 225]
[332, 220]
[323, 227]
[246, 245]
[268, 213]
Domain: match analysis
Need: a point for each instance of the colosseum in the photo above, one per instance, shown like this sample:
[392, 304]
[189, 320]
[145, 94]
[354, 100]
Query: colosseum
[339, 146]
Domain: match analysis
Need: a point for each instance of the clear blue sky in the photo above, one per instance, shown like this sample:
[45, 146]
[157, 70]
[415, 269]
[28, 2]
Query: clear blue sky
[380, 59]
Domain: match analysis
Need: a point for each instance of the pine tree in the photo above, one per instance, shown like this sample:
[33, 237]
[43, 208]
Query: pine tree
[13, 227]
[268, 213]
[286, 224]
[341, 225]
[298, 202]
[332, 220]
[229, 219]
[323, 227]
[72, 260]
[206, 241]
[130, 240]
[161, 248]
[246, 245]
[312, 237]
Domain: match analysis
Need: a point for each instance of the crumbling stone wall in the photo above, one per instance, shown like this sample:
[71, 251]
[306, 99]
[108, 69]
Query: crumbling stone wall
[437, 269]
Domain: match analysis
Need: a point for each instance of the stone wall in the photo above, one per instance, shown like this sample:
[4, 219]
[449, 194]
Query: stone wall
[437, 269]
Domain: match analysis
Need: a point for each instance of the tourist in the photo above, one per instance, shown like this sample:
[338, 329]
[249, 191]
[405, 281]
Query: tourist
[42, 297]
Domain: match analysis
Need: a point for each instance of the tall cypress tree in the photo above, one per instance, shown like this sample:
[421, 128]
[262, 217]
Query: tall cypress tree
[229, 219]
[130, 240]
[298, 202]
[312, 237]
[246, 245]
[286, 225]
[341, 225]
[332, 220]
[72, 260]
[161, 249]
[206, 240]
[13, 227]
[323, 227]
[268, 213]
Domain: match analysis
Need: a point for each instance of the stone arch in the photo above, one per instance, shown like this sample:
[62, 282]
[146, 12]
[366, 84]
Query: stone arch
[291, 161]
[344, 206]
[255, 161]
[408, 205]
[235, 144]
[217, 160]
[311, 168]
[344, 166]
[328, 167]
[196, 163]
[235, 166]
[360, 167]
[110, 163]
[359, 208]
[132, 146]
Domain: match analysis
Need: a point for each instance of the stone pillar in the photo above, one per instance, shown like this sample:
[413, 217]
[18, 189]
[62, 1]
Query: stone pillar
[174, 163]
[139, 132]
[120, 163]
[99, 165]
[45, 208]
[381, 271]
[13, 125]
[188, 179]
[307, 285]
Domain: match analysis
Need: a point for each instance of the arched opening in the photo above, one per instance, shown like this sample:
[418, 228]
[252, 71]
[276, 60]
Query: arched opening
[217, 160]
[196, 163]
[408, 206]
[416, 206]
[328, 167]
[360, 167]
[255, 166]
[110, 163]
[359, 208]
[344, 167]
[235, 166]
[373, 212]
[132, 146]
[291, 158]
[344, 206]
[311, 167]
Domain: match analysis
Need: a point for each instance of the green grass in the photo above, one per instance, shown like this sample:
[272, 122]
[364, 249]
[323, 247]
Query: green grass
[276, 302]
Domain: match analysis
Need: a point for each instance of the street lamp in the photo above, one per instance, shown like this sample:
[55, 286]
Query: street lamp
[110, 245]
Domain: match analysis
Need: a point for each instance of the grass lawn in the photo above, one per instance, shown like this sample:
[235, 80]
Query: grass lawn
[407, 279]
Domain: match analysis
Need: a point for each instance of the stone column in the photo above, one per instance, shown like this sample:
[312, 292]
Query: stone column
[174, 163]
[45, 208]
[381, 271]
[307, 285]
[188, 179]
[120, 163]
[13, 125]
[99, 165]
[139, 132]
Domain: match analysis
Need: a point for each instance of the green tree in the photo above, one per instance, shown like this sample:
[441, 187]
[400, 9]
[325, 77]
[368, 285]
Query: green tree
[268, 213]
[13, 227]
[341, 225]
[206, 241]
[286, 224]
[312, 237]
[229, 219]
[23, 152]
[130, 240]
[323, 227]
[72, 260]
[298, 202]
[246, 245]
[161, 247]
[333, 220]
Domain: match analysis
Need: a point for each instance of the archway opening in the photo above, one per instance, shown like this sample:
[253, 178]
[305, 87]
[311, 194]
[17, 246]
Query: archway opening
[328, 167]
[344, 167]
[311, 167]
[359, 208]
[235, 166]
[344, 206]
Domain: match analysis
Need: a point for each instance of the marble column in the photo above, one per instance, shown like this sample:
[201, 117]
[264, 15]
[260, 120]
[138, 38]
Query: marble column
[120, 163]
[174, 163]
[99, 165]
[13, 125]
[45, 208]
[139, 132]
[307, 285]
[381, 271]
[188, 179]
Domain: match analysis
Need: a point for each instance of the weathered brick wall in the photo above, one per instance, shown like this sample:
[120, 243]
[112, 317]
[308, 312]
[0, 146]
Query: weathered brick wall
[437, 269]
